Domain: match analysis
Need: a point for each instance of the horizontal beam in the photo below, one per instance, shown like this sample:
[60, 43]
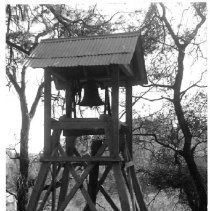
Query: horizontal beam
[80, 159]
[80, 124]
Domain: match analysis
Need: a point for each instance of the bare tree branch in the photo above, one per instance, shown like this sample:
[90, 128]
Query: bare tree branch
[19, 48]
[13, 81]
[23, 77]
[157, 99]
[160, 85]
[163, 18]
[60, 18]
[193, 85]
[9, 17]
[198, 26]
[198, 143]
[11, 193]
[161, 143]
[36, 100]
[154, 198]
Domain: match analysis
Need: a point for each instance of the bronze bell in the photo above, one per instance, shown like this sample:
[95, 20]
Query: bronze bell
[91, 97]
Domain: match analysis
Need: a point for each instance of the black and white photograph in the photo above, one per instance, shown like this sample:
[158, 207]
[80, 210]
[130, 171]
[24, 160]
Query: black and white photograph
[104, 106]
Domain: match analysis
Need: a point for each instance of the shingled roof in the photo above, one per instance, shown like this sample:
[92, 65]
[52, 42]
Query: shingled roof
[102, 50]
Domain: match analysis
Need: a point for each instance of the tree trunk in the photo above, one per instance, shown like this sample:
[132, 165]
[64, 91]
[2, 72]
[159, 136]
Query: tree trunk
[188, 155]
[187, 152]
[194, 172]
[22, 183]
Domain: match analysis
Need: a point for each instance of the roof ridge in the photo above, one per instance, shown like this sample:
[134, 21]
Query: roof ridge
[104, 36]
[85, 55]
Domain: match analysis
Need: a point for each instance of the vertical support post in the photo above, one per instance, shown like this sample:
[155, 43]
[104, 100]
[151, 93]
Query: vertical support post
[47, 112]
[129, 117]
[69, 146]
[114, 148]
[115, 110]
[53, 186]
[93, 175]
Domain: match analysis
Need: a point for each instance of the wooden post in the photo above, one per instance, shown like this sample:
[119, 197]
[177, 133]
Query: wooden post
[69, 146]
[129, 116]
[114, 148]
[47, 112]
[115, 110]
[93, 176]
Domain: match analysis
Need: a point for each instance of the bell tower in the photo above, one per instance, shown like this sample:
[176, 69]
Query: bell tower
[108, 62]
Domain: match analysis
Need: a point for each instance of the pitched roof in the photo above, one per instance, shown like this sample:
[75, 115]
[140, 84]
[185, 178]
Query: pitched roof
[101, 50]
[84, 51]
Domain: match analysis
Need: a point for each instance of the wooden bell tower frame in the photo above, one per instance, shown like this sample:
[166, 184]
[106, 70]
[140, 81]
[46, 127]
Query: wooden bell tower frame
[60, 163]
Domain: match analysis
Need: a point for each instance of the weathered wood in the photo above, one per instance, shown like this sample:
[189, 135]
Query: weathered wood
[83, 132]
[79, 124]
[71, 194]
[109, 200]
[47, 112]
[107, 107]
[115, 110]
[93, 176]
[105, 160]
[53, 186]
[43, 172]
[106, 172]
[70, 141]
[47, 193]
[129, 116]
[121, 187]
[55, 138]
[86, 195]
[137, 190]
[136, 187]
[128, 182]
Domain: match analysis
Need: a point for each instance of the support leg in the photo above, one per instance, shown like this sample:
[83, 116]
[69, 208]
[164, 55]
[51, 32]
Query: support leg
[121, 187]
[45, 167]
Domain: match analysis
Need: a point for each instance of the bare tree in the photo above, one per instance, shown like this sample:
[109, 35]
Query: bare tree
[173, 46]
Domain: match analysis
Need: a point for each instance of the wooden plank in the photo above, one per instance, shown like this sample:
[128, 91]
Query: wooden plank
[47, 112]
[93, 176]
[78, 120]
[128, 181]
[81, 159]
[136, 187]
[129, 116]
[70, 141]
[55, 138]
[83, 132]
[45, 167]
[53, 186]
[106, 172]
[71, 194]
[48, 191]
[101, 149]
[137, 190]
[121, 187]
[115, 111]
[78, 125]
[84, 192]
[64, 184]
[109, 200]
